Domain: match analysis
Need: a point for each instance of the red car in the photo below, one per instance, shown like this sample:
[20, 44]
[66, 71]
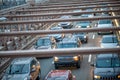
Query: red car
[60, 75]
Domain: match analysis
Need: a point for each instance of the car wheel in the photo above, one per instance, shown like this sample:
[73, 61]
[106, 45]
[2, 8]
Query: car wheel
[86, 41]
[39, 76]
[78, 65]
[56, 66]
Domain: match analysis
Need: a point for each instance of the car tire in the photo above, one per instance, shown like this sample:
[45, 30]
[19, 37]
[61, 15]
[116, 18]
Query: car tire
[78, 65]
[56, 66]
[39, 76]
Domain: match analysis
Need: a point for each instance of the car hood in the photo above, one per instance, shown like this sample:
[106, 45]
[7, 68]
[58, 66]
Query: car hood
[106, 71]
[104, 25]
[64, 23]
[56, 35]
[109, 45]
[43, 47]
[15, 77]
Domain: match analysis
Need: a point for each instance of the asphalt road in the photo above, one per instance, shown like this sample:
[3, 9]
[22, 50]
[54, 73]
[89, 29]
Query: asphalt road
[85, 71]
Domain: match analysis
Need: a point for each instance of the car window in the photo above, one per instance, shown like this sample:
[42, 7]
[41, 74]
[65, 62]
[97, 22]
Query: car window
[108, 62]
[103, 62]
[104, 22]
[116, 62]
[110, 40]
[33, 63]
[67, 45]
[18, 69]
[43, 42]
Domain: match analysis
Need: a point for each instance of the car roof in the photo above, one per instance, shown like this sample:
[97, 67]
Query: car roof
[52, 28]
[26, 60]
[109, 36]
[111, 55]
[56, 73]
[69, 40]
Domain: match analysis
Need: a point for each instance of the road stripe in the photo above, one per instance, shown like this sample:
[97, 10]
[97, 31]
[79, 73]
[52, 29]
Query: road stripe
[93, 37]
[89, 59]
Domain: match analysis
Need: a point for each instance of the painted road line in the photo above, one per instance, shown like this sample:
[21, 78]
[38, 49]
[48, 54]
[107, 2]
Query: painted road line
[93, 37]
[89, 59]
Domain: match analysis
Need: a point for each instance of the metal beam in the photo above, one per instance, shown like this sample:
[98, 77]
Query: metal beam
[68, 8]
[75, 2]
[82, 4]
[58, 52]
[58, 20]
[60, 13]
[43, 32]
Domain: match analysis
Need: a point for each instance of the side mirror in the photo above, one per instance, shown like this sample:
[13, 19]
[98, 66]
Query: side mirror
[92, 64]
[33, 68]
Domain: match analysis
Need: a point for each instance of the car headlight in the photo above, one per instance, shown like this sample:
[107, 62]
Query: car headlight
[88, 26]
[118, 76]
[76, 58]
[102, 46]
[78, 26]
[85, 37]
[56, 58]
[96, 77]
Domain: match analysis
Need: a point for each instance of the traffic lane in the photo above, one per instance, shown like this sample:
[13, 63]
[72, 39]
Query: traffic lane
[46, 66]
[84, 72]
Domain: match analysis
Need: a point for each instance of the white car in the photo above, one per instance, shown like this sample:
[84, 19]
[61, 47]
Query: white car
[109, 41]
[105, 24]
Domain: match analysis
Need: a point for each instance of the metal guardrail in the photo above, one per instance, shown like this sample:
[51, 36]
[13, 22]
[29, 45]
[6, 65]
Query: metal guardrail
[83, 4]
[59, 13]
[42, 32]
[67, 8]
[58, 20]
[58, 52]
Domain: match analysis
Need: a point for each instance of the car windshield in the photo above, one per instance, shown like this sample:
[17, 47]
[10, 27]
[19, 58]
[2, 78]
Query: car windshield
[104, 22]
[43, 42]
[56, 28]
[66, 45]
[18, 69]
[110, 40]
[108, 63]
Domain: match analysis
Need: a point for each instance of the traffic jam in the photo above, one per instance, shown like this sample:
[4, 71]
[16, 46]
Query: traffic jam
[61, 40]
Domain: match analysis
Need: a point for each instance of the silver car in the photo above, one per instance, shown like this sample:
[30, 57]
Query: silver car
[23, 69]
[109, 41]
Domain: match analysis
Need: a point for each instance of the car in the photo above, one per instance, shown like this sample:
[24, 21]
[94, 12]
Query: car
[23, 69]
[82, 24]
[109, 41]
[65, 25]
[70, 60]
[60, 75]
[105, 24]
[76, 15]
[106, 67]
[58, 37]
[45, 42]
[82, 36]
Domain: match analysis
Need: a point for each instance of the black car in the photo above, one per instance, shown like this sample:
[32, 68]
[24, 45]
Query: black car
[106, 67]
[82, 36]
[68, 60]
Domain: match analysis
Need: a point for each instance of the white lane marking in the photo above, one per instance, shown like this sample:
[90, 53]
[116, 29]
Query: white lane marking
[93, 37]
[89, 59]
